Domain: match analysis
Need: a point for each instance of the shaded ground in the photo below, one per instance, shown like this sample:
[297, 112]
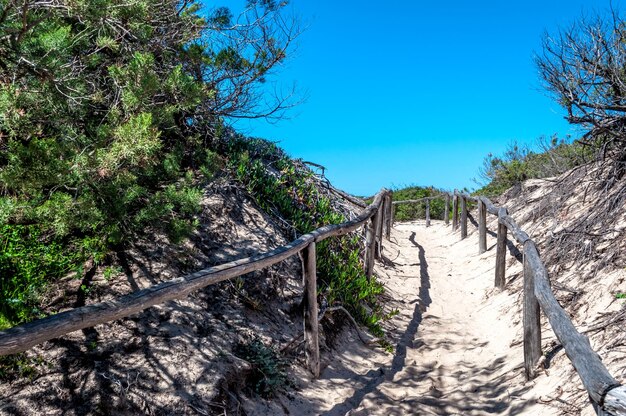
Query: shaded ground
[175, 358]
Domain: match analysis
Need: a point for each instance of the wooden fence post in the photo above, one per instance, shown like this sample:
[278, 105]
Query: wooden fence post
[379, 230]
[428, 212]
[501, 251]
[370, 246]
[482, 227]
[369, 236]
[463, 218]
[532, 319]
[388, 215]
[383, 221]
[311, 327]
[455, 212]
[446, 210]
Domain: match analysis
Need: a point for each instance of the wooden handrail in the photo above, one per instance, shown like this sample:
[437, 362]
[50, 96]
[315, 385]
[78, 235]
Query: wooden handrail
[463, 218]
[467, 196]
[607, 395]
[412, 201]
[455, 211]
[22, 337]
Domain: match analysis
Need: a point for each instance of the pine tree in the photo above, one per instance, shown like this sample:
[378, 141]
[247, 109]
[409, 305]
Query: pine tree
[107, 108]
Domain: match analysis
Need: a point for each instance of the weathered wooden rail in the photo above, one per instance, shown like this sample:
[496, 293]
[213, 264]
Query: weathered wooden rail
[607, 395]
[376, 218]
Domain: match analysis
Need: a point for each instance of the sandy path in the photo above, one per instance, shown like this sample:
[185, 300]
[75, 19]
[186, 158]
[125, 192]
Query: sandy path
[458, 361]
[457, 339]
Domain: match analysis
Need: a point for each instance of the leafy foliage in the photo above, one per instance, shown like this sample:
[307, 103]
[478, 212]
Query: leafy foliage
[107, 108]
[407, 212]
[282, 188]
[18, 366]
[519, 163]
[27, 261]
[268, 374]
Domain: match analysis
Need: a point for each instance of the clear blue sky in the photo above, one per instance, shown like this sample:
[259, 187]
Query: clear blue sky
[416, 92]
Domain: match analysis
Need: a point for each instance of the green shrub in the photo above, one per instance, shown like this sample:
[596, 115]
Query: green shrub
[280, 187]
[18, 366]
[104, 127]
[268, 374]
[519, 163]
[29, 260]
[414, 211]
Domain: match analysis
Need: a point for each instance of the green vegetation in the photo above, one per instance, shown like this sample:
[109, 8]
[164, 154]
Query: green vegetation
[519, 163]
[18, 366]
[408, 212]
[268, 375]
[27, 261]
[107, 112]
[620, 296]
[281, 187]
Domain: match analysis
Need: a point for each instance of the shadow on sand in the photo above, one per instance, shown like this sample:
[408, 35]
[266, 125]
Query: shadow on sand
[478, 397]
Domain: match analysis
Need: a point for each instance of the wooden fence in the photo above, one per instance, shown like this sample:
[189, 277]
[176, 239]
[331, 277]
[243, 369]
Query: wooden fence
[375, 217]
[607, 395]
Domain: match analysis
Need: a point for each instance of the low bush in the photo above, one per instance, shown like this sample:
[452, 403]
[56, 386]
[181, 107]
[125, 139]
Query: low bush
[28, 260]
[18, 366]
[282, 188]
[414, 211]
[268, 375]
[519, 163]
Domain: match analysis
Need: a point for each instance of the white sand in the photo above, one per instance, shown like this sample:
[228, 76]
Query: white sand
[457, 340]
